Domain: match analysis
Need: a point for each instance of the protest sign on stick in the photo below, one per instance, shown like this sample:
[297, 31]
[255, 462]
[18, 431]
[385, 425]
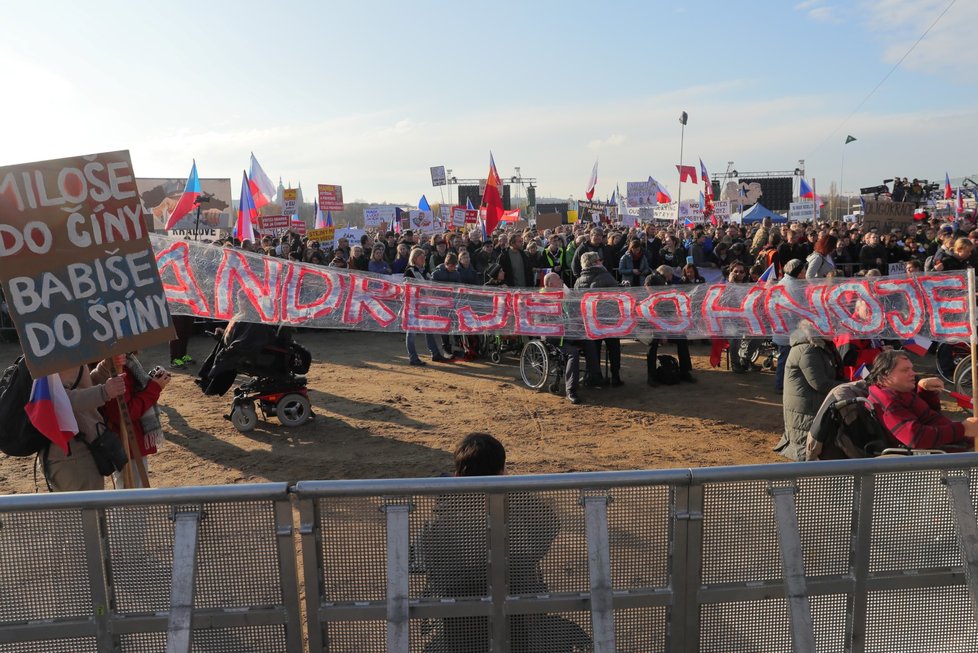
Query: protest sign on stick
[78, 270]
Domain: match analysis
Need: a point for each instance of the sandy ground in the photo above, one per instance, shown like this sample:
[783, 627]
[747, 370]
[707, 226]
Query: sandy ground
[377, 417]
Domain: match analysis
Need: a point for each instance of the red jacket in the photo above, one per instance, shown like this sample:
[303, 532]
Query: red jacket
[914, 419]
[138, 402]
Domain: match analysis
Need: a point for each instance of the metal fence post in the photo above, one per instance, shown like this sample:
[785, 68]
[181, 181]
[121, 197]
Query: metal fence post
[288, 572]
[179, 630]
[967, 528]
[599, 569]
[498, 572]
[793, 563]
[859, 555]
[312, 573]
[398, 543]
[687, 568]
[93, 525]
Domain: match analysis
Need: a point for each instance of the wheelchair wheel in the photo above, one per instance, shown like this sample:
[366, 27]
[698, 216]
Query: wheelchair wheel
[244, 418]
[948, 357]
[293, 410]
[962, 376]
[535, 364]
[768, 363]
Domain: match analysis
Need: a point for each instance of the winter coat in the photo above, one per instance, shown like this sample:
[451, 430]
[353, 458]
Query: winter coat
[819, 266]
[796, 289]
[809, 375]
[626, 268]
[595, 276]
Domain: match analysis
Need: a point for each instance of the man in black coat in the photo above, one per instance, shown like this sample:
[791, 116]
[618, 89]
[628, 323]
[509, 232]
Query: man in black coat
[663, 276]
[596, 243]
[595, 275]
[516, 264]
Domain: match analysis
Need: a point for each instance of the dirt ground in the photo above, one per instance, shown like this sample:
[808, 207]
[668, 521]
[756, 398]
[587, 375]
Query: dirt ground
[377, 417]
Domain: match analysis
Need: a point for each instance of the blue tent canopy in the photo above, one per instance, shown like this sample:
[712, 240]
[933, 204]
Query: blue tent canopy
[757, 213]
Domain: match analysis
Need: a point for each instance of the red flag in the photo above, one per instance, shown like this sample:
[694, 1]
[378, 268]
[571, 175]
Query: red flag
[492, 200]
[717, 345]
[687, 173]
[964, 401]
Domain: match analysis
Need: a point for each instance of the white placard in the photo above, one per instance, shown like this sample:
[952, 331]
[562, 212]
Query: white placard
[379, 216]
[721, 210]
[801, 211]
[421, 221]
[438, 177]
[352, 235]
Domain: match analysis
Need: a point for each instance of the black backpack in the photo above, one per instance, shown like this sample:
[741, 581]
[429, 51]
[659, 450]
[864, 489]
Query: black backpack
[667, 372]
[18, 437]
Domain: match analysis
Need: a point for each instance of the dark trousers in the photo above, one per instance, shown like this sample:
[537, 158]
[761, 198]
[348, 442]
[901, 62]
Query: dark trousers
[682, 350]
[592, 357]
[184, 327]
[572, 369]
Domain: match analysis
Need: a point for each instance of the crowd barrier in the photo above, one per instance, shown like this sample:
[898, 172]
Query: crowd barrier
[870, 555]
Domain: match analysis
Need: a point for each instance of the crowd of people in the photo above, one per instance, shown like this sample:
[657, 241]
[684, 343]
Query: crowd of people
[587, 255]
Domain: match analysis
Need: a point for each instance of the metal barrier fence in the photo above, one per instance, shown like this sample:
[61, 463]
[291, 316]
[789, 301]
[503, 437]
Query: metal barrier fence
[878, 555]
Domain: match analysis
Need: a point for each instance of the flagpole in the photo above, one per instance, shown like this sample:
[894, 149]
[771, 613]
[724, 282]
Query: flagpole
[683, 117]
[974, 343]
[842, 174]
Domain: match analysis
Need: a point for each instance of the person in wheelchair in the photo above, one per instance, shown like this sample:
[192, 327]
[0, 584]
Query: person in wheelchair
[910, 409]
[569, 350]
[261, 350]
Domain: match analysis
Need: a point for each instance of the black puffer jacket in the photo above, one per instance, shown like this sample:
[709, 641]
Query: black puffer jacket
[596, 276]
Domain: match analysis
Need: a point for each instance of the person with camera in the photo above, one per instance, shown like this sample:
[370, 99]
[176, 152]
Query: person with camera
[78, 469]
[142, 392]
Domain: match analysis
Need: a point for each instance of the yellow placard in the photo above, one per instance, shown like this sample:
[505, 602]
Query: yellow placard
[571, 217]
[324, 234]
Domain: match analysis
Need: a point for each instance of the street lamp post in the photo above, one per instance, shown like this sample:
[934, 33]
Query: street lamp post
[683, 117]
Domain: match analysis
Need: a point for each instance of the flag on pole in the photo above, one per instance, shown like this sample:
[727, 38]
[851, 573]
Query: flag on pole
[861, 372]
[850, 139]
[244, 228]
[662, 196]
[423, 204]
[614, 196]
[593, 181]
[468, 204]
[49, 410]
[261, 187]
[704, 175]
[687, 173]
[186, 202]
[948, 192]
[770, 275]
[917, 345]
[960, 203]
[492, 200]
[320, 218]
[805, 191]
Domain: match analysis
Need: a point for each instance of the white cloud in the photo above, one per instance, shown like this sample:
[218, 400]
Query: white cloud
[818, 10]
[598, 143]
[947, 49]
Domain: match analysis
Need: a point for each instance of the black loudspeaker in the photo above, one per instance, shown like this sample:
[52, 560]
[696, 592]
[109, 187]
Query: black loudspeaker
[776, 192]
[531, 196]
[472, 193]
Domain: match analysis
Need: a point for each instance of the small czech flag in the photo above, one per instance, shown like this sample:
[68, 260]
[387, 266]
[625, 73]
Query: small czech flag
[917, 345]
[862, 372]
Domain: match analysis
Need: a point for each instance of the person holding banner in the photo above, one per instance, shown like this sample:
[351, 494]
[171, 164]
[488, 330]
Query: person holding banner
[416, 271]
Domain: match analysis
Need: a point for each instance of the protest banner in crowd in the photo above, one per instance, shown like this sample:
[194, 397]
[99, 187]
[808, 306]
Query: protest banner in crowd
[330, 197]
[79, 273]
[209, 282]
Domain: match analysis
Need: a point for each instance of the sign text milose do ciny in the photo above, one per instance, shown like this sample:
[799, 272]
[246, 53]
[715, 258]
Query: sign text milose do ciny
[79, 274]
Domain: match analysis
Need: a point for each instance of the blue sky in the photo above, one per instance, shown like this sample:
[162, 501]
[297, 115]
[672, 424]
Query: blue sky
[370, 94]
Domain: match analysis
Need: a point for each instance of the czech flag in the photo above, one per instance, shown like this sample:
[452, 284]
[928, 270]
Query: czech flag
[917, 345]
[662, 196]
[49, 410]
[593, 181]
[706, 180]
[320, 218]
[186, 203]
[261, 187]
[247, 213]
[805, 191]
[861, 372]
[948, 193]
[769, 276]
